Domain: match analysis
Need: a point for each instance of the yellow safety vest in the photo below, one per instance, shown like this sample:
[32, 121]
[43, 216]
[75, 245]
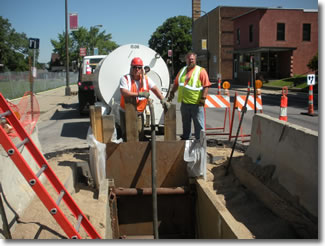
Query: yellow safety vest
[192, 91]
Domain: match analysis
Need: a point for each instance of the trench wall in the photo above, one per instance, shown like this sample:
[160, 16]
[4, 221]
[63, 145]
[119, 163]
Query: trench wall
[16, 192]
[213, 219]
[294, 152]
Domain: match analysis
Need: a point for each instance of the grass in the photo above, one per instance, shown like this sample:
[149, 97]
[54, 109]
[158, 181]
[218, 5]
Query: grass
[298, 82]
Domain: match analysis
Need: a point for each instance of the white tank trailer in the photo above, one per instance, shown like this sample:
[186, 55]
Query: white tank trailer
[116, 64]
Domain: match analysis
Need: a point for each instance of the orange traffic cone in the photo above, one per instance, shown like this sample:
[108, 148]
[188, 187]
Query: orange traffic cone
[284, 104]
[311, 101]
[88, 68]
[219, 87]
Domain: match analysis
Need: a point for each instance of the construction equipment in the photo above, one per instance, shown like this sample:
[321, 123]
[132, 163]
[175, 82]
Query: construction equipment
[117, 64]
[34, 181]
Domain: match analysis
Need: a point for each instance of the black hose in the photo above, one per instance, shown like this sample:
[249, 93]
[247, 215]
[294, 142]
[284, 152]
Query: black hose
[153, 171]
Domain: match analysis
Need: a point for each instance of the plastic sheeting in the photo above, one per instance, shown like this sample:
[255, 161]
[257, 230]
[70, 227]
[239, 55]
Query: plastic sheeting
[195, 156]
[97, 158]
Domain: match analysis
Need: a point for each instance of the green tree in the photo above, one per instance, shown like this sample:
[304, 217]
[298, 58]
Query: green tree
[313, 64]
[174, 34]
[82, 38]
[13, 48]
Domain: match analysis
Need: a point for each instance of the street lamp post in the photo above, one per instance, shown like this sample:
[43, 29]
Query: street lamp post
[67, 88]
[205, 13]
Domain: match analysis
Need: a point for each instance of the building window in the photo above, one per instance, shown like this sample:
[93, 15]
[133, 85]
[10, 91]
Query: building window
[244, 63]
[280, 35]
[238, 36]
[306, 27]
[250, 33]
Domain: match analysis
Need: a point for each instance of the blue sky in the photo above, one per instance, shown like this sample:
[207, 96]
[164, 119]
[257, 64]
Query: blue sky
[128, 21]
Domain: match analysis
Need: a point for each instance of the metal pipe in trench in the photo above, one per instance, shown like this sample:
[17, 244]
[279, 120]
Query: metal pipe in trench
[153, 170]
[148, 191]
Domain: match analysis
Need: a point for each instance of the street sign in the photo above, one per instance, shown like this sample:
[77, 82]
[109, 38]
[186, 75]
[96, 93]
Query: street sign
[83, 52]
[34, 72]
[34, 43]
[95, 51]
[311, 79]
[204, 44]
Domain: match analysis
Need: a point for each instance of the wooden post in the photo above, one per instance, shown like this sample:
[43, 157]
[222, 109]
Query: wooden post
[96, 122]
[108, 127]
[131, 120]
[170, 123]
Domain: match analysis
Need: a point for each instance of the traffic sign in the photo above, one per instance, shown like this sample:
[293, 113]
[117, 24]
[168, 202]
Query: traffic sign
[83, 52]
[34, 43]
[311, 79]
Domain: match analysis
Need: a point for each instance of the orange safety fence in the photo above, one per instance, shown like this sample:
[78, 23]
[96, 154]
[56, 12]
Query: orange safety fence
[27, 111]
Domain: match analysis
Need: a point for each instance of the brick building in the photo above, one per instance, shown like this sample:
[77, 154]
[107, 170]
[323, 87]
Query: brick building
[226, 37]
[215, 31]
[282, 42]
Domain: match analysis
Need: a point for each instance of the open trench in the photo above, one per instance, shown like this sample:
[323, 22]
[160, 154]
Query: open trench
[221, 207]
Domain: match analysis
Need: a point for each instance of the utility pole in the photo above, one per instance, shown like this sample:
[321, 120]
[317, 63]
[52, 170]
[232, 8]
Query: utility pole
[67, 88]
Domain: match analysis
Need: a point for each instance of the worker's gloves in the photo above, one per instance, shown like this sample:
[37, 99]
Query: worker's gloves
[145, 94]
[202, 101]
[171, 96]
[165, 104]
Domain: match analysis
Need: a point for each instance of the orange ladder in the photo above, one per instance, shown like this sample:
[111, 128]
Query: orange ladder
[33, 179]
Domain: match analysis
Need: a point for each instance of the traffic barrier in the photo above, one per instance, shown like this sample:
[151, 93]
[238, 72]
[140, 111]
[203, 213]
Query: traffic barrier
[239, 102]
[284, 104]
[217, 101]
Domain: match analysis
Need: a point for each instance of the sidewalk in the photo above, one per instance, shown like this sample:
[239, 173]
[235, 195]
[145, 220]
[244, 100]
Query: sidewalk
[50, 100]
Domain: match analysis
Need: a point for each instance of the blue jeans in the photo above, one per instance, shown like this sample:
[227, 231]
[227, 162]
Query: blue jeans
[192, 112]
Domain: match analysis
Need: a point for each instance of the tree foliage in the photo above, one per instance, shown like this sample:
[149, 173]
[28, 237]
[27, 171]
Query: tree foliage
[82, 38]
[175, 34]
[313, 64]
[13, 48]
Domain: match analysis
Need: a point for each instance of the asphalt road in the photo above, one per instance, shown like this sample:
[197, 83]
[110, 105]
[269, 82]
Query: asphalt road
[297, 107]
[61, 127]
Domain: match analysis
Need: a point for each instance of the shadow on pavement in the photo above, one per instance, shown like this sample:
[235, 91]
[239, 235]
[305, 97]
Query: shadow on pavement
[69, 111]
[75, 130]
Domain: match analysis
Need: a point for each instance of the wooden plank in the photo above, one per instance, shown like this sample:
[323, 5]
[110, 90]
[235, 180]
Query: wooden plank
[131, 120]
[96, 122]
[170, 123]
[129, 164]
[108, 127]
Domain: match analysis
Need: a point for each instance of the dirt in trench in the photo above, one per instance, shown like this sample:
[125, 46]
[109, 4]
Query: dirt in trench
[245, 206]
[38, 223]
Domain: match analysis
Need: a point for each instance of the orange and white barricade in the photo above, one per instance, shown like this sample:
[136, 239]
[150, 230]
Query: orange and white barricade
[239, 102]
[218, 101]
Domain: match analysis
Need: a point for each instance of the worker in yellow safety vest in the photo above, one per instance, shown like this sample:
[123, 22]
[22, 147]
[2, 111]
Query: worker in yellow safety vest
[137, 84]
[192, 82]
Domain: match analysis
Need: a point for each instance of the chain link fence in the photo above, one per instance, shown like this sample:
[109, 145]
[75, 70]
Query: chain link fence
[15, 84]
